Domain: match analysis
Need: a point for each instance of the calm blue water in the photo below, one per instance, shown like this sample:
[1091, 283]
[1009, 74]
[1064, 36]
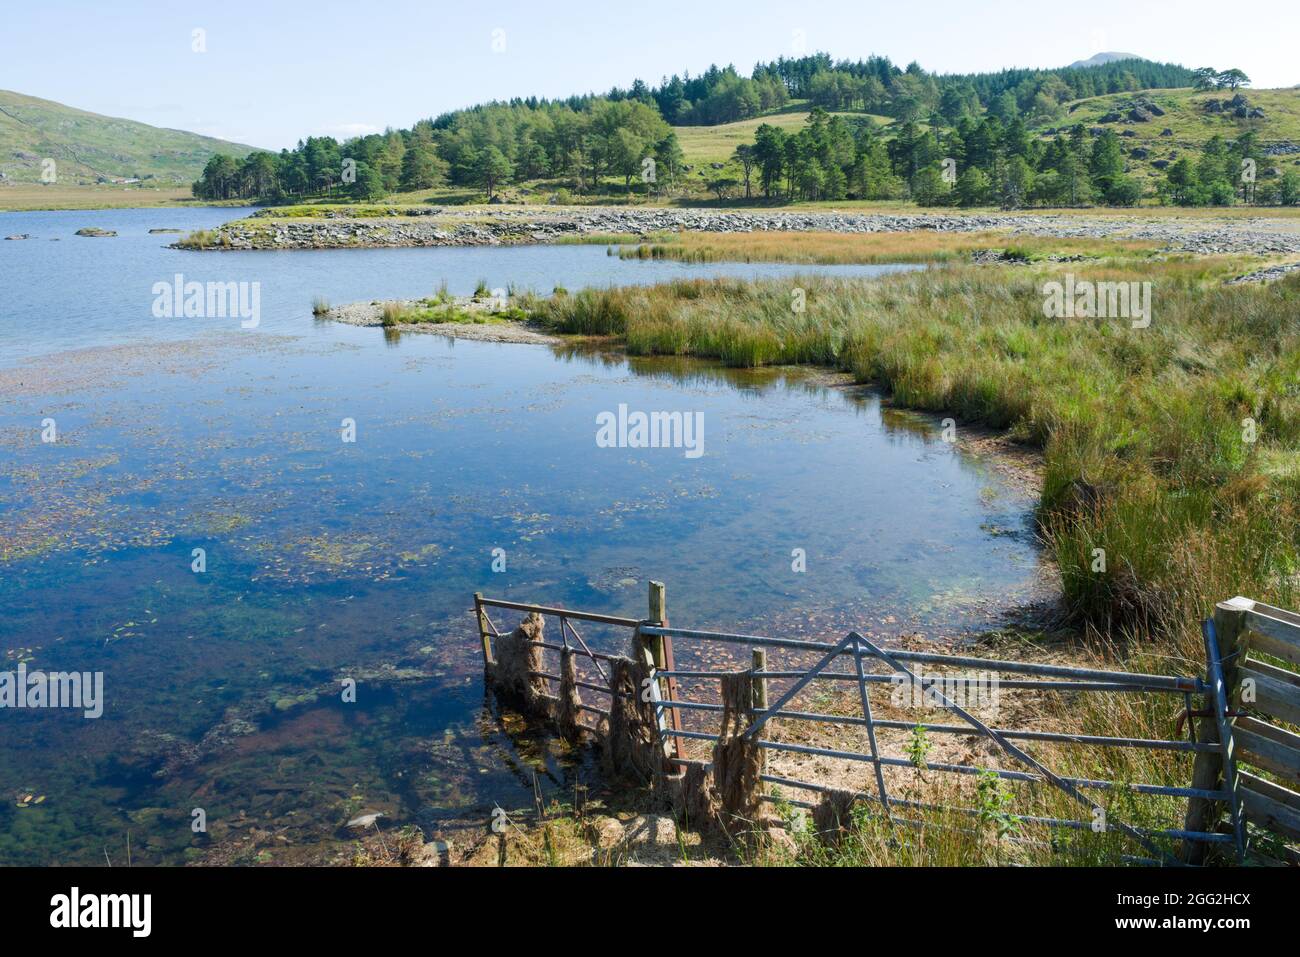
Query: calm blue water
[328, 560]
[97, 291]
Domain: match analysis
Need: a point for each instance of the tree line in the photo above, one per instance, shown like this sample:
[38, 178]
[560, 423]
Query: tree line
[961, 139]
[978, 162]
[989, 161]
[480, 148]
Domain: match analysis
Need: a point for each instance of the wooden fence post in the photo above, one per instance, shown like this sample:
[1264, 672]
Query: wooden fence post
[1207, 771]
[484, 631]
[661, 648]
[760, 684]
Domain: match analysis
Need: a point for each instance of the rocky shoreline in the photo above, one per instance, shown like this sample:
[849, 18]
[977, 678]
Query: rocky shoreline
[459, 226]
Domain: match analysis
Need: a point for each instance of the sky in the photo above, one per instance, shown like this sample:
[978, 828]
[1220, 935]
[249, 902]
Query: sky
[271, 72]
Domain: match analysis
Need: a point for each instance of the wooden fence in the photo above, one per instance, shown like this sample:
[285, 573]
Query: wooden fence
[1259, 650]
[1238, 696]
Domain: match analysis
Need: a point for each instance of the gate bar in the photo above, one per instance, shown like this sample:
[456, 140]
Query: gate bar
[1155, 682]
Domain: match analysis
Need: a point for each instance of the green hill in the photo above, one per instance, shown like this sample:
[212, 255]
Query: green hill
[89, 148]
[704, 145]
[1183, 124]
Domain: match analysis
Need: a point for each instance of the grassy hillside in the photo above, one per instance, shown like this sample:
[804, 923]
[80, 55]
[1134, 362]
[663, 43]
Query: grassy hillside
[1188, 123]
[703, 145]
[88, 148]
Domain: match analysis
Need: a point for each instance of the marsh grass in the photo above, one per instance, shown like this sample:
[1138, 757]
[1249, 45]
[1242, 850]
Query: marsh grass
[396, 313]
[204, 239]
[443, 308]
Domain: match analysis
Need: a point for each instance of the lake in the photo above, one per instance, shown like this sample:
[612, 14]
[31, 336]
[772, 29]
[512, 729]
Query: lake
[200, 532]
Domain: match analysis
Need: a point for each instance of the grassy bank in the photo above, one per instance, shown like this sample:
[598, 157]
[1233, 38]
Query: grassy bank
[1172, 448]
[17, 197]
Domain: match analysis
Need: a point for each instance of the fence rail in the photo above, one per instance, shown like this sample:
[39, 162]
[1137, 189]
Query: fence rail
[1259, 698]
[1224, 735]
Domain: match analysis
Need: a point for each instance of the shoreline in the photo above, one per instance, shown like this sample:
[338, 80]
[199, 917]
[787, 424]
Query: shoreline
[504, 225]
[369, 315]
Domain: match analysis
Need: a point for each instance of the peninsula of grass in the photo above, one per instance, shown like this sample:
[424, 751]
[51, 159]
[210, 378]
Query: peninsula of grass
[439, 311]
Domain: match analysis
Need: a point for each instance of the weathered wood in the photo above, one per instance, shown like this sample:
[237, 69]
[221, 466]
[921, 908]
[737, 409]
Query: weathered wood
[1270, 805]
[1203, 814]
[1266, 746]
[760, 684]
[662, 649]
[1276, 690]
[1274, 631]
[484, 632]
[658, 603]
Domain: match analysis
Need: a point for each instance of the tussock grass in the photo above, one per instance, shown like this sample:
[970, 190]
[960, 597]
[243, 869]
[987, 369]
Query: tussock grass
[396, 313]
[204, 239]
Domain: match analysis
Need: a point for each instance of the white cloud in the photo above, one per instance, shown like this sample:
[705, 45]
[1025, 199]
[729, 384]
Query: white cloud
[343, 131]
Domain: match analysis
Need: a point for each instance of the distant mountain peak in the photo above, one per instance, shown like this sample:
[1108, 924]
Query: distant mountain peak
[1102, 58]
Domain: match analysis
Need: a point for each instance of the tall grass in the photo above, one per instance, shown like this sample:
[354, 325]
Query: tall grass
[396, 313]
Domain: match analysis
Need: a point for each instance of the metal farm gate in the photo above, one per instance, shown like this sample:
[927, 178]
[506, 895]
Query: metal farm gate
[1219, 797]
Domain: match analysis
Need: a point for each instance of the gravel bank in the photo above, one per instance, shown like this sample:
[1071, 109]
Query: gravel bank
[499, 330]
[455, 226]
